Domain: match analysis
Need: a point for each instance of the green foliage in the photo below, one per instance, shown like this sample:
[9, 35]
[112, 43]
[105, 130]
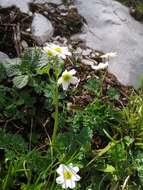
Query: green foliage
[20, 81]
[113, 94]
[3, 73]
[104, 140]
[96, 116]
[95, 86]
[13, 145]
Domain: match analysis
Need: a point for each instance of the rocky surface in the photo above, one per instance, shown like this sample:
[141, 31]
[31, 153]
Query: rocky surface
[42, 29]
[111, 28]
[3, 56]
[23, 5]
[57, 2]
[108, 28]
[20, 30]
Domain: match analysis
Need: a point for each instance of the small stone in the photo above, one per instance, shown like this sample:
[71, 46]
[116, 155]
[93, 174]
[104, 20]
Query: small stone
[86, 52]
[92, 55]
[88, 77]
[62, 7]
[88, 62]
[97, 54]
[28, 29]
[72, 7]
[42, 29]
[64, 14]
[78, 51]
[24, 44]
[46, 13]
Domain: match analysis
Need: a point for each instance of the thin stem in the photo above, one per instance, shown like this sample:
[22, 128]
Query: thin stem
[56, 116]
[31, 130]
[102, 83]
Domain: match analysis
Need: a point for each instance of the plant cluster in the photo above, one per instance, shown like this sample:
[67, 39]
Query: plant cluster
[46, 144]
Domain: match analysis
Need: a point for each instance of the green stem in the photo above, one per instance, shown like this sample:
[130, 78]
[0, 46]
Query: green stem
[102, 82]
[56, 116]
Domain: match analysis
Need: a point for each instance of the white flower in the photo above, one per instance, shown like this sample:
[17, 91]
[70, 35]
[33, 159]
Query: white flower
[56, 50]
[107, 56]
[67, 78]
[67, 176]
[100, 66]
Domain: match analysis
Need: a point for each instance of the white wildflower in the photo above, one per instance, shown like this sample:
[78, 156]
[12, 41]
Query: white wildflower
[100, 66]
[67, 176]
[67, 78]
[56, 50]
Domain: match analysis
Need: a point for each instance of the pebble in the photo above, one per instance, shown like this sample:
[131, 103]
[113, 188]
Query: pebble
[42, 29]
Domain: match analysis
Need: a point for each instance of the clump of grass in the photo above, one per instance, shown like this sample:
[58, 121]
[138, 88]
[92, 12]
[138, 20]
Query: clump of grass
[136, 8]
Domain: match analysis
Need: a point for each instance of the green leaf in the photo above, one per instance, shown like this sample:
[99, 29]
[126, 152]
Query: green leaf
[20, 81]
[128, 140]
[108, 169]
[44, 70]
[12, 67]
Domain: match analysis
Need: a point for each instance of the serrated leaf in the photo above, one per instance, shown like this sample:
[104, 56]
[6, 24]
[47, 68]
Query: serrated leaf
[20, 81]
[12, 66]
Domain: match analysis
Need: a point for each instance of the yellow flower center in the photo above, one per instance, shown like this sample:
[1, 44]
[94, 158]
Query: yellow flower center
[49, 53]
[58, 49]
[67, 175]
[66, 77]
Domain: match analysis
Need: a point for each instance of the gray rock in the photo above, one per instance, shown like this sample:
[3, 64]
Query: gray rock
[58, 2]
[23, 5]
[111, 29]
[42, 29]
[3, 56]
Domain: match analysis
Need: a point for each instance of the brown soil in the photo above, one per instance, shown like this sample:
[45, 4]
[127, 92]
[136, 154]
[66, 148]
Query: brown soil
[14, 25]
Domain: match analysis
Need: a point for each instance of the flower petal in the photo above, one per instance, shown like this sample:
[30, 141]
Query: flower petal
[71, 184]
[76, 169]
[72, 72]
[73, 168]
[74, 80]
[76, 177]
[60, 180]
[65, 85]
[64, 185]
[60, 80]
[61, 55]
[60, 169]
[56, 50]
